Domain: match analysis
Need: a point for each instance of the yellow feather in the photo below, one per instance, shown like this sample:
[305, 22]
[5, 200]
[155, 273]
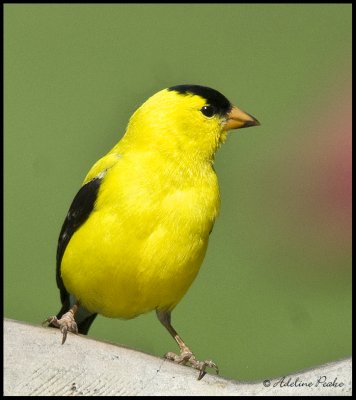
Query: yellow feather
[143, 244]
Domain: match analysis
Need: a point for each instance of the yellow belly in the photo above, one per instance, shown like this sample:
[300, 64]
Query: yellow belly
[122, 275]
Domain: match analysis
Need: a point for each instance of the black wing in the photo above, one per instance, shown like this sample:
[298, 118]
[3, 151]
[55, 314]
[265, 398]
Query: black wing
[79, 211]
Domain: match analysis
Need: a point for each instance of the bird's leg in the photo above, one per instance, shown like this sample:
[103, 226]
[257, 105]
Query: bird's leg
[186, 357]
[66, 323]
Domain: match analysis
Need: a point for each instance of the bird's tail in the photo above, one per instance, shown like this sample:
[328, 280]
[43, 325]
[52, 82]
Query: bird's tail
[85, 324]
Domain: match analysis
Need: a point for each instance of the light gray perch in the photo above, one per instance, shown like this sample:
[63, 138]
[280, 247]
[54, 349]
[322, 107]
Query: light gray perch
[35, 363]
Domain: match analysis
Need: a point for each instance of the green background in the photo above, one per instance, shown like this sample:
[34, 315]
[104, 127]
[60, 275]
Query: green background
[274, 293]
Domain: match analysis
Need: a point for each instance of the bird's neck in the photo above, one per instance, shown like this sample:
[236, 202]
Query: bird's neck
[171, 146]
[188, 166]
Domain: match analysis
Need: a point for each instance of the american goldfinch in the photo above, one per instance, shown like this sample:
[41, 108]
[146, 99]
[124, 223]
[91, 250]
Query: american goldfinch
[137, 231]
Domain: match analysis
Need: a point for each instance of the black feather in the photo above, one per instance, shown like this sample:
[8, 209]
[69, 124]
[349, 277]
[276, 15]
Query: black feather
[212, 96]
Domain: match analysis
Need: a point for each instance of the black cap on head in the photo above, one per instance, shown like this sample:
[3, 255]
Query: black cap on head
[212, 96]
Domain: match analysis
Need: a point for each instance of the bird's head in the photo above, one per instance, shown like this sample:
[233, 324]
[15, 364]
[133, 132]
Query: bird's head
[192, 119]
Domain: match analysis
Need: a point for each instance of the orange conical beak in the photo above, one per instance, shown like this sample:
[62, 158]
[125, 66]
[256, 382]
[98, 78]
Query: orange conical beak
[236, 119]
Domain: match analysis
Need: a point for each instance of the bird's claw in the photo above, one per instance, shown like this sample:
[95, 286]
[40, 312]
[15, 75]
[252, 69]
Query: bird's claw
[65, 324]
[188, 358]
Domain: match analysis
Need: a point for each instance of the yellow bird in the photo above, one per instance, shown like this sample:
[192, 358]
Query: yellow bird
[137, 231]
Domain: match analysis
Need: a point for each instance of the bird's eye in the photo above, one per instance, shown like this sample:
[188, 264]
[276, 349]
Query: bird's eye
[208, 111]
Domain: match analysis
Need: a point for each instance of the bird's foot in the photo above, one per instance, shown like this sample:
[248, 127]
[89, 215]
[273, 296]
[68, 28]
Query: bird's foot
[65, 324]
[186, 357]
